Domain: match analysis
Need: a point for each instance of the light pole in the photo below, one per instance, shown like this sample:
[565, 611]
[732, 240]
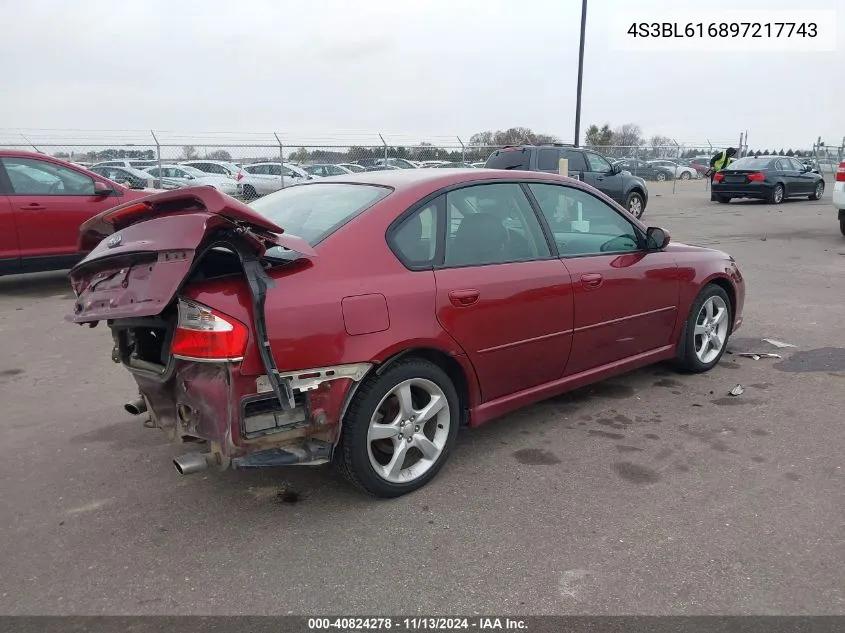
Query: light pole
[580, 72]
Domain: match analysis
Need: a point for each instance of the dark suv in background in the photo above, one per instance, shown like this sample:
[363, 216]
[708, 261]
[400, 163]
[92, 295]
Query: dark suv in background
[586, 165]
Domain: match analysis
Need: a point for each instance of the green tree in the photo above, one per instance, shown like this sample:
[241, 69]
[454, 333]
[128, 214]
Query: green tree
[596, 136]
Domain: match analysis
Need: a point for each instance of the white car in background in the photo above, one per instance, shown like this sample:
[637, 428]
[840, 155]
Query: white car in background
[352, 167]
[135, 178]
[188, 176]
[682, 172]
[259, 179]
[325, 170]
[136, 163]
[839, 194]
[216, 167]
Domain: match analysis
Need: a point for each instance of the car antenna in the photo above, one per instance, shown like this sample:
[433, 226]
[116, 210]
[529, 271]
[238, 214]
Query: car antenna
[30, 142]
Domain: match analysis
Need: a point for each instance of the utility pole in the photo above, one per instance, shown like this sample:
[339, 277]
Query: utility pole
[580, 73]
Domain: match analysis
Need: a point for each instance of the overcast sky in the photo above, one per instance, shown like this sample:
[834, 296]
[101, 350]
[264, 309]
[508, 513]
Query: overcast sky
[412, 69]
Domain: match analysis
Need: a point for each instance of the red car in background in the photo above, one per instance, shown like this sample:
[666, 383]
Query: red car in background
[43, 202]
[361, 319]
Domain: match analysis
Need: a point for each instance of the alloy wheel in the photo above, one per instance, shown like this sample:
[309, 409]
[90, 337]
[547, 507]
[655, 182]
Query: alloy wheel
[711, 329]
[408, 431]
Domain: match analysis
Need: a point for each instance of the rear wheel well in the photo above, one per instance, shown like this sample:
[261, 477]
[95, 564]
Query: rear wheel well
[448, 364]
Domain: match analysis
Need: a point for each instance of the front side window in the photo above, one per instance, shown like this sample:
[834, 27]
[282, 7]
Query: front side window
[315, 211]
[492, 224]
[30, 176]
[582, 224]
[597, 163]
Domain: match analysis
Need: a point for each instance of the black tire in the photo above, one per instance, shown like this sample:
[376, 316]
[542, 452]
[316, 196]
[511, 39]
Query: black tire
[250, 193]
[775, 197]
[351, 456]
[818, 191]
[686, 359]
[685, 175]
[842, 226]
[660, 177]
[723, 199]
[635, 204]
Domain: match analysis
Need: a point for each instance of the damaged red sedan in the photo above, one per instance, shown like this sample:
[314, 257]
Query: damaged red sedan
[362, 319]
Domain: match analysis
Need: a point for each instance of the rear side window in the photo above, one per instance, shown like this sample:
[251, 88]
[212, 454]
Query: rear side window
[509, 159]
[415, 240]
[548, 160]
[315, 211]
[491, 224]
[576, 161]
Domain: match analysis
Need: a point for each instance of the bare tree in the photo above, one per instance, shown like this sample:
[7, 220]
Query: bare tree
[628, 135]
[189, 152]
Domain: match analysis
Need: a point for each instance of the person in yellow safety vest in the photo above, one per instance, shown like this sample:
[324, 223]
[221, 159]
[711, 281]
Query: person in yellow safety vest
[718, 163]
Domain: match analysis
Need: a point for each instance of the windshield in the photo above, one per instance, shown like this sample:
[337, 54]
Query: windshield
[750, 162]
[315, 211]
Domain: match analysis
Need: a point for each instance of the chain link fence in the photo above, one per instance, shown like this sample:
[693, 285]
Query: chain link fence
[249, 170]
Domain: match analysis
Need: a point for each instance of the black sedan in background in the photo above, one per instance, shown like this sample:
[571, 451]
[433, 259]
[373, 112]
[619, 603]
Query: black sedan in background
[647, 171]
[769, 178]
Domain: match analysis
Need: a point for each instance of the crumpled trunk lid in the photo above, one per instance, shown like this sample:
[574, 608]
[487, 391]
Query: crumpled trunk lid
[142, 252]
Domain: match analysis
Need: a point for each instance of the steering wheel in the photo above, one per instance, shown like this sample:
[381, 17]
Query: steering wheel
[619, 243]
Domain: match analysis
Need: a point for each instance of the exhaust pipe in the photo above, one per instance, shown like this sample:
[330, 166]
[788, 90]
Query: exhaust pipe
[191, 463]
[136, 407]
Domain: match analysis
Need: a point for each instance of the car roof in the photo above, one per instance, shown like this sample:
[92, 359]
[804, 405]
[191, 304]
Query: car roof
[401, 179]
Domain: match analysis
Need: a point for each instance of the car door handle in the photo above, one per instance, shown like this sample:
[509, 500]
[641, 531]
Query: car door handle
[463, 298]
[591, 281]
[33, 207]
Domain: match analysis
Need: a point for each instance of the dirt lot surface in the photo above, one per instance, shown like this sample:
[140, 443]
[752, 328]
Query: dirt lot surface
[653, 493]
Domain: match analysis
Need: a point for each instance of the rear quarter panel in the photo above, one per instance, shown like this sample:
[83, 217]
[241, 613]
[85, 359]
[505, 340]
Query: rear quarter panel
[304, 311]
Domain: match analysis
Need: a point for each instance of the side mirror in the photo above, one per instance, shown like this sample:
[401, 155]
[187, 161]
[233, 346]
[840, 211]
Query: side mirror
[656, 238]
[102, 189]
[615, 169]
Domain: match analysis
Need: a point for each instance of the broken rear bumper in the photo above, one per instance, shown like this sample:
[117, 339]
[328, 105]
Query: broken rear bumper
[242, 419]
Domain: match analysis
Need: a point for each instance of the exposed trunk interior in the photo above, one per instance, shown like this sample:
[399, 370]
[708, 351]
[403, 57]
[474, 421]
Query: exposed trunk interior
[144, 342]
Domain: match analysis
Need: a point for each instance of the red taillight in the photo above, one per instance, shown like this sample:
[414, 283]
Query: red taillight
[840, 172]
[239, 176]
[205, 334]
[719, 176]
[122, 215]
[756, 177]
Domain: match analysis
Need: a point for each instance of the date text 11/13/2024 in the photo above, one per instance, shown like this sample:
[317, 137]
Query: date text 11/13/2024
[723, 29]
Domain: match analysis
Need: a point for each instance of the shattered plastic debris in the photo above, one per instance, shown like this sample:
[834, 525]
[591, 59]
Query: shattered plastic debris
[780, 344]
[759, 355]
[737, 391]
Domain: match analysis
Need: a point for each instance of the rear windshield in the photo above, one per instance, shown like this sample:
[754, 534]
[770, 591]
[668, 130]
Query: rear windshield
[315, 211]
[750, 162]
[509, 159]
